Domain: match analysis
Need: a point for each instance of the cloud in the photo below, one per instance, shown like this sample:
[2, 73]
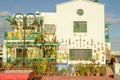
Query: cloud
[110, 18]
[4, 13]
[115, 43]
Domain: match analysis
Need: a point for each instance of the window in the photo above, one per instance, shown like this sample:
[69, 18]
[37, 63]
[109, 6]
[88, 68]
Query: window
[49, 28]
[80, 12]
[80, 26]
[80, 54]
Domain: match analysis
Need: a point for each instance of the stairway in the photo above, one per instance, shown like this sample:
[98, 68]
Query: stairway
[109, 71]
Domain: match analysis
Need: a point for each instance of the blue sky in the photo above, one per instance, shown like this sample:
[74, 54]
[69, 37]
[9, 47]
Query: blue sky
[112, 11]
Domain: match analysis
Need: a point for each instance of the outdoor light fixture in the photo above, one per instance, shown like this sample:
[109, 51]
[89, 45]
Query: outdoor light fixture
[15, 25]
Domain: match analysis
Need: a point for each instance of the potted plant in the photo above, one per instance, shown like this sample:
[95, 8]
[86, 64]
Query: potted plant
[63, 71]
[87, 72]
[92, 69]
[82, 73]
[97, 71]
[69, 70]
[103, 70]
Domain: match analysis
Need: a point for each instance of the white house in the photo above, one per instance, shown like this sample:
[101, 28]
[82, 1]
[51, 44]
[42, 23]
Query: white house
[80, 30]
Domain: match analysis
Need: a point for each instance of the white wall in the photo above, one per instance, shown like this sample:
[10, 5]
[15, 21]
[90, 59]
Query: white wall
[93, 14]
[49, 18]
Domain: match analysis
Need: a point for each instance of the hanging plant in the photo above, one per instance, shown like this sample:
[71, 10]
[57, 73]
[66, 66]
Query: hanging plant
[91, 40]
[74, 34]
[101, 43]
[83, 40]
[102, 58]
[80, 45]
[98, 43]
[95, 51]
[97, 56]
[103, 53]
[102, 48]
[98, 49]
[87, 43]
[66, 41]
[87, 47]
[80, 40]
[69, 42]
[76, 40]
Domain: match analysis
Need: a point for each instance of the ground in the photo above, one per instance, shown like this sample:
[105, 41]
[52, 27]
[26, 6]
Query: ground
[25, 76]
[77, 78]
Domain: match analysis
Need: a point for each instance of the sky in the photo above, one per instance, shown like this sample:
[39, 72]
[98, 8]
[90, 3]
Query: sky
[112, 14]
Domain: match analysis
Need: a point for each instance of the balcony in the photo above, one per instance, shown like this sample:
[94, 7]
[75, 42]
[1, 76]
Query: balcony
[18, 35]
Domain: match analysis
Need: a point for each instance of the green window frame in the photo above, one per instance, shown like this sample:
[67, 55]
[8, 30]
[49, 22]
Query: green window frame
[80, 53]
[79, 26]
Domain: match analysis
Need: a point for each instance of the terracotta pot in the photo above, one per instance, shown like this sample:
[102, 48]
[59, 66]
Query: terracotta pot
[91, 74]
[97, 74]
[35, 74]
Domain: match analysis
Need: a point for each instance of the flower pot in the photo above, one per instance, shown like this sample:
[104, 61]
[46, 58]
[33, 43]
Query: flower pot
[97, 74]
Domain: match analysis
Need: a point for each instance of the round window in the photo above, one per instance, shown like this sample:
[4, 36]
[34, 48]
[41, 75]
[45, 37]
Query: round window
[80, 12]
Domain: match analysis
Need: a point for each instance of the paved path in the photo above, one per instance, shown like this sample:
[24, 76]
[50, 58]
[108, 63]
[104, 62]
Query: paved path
[14, 76]
[25, 76]
[77, 78]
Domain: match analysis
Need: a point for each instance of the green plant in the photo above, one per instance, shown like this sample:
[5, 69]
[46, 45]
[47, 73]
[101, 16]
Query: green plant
[74, 58]
[87, 72]
[54, 69]
[97, 69]
[92, 69]
[40, 66]
[82, 70]
[82, 73]
[103, 70]
[69, 69]
[87, 69]
[39, 38]
[63, 71]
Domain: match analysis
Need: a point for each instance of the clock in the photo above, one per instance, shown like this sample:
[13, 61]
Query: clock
[80, 12]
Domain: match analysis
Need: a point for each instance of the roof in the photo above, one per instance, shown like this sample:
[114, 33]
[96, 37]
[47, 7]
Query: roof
[81, 0]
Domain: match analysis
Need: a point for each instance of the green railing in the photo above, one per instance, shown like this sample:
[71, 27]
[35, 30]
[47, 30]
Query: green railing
[27, 37]
[107, 39]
